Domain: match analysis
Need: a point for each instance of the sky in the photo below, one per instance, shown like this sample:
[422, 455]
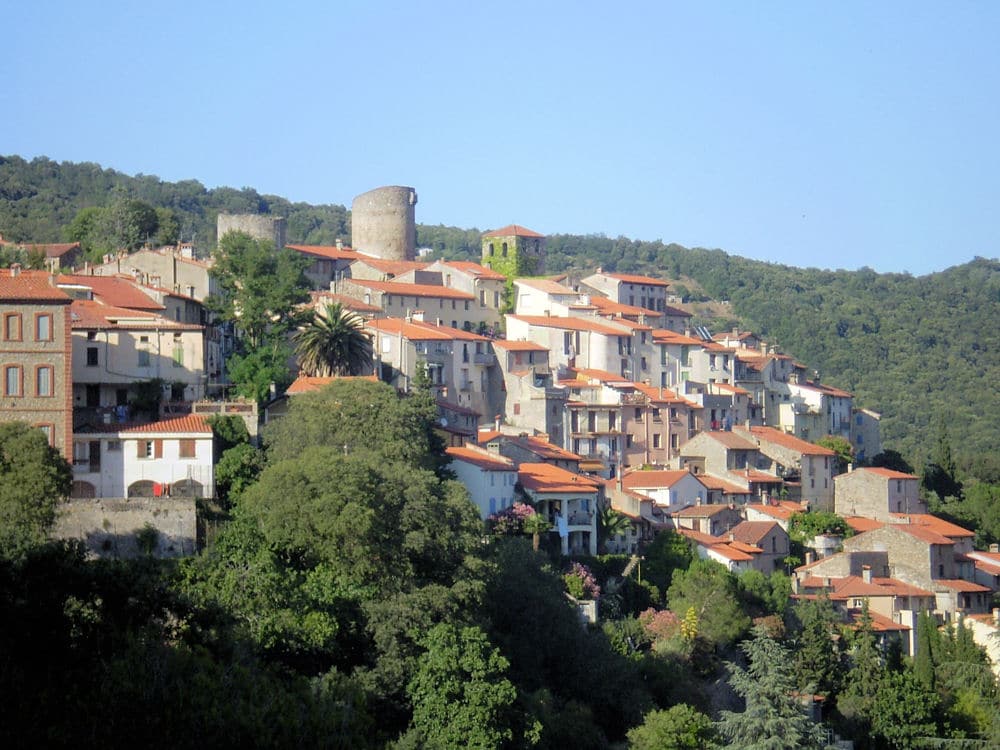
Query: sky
[825, 134]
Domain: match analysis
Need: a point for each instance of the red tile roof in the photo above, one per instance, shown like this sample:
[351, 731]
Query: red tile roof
[393, 267]
[569, 324]
[512, 230]
[730, 439]
[655, 478]
[119, 291]
[965, 587]
[717, 483]
[784, 510]
[630, 278]
[900, 588]
[887, 473]
[519, 346]
[666, 336]
[188, 423]
[935, 524]
[416, 330]
[90, 314]
[544, 449]
[861, 524]
[308, 383]
[547, 285]
[771, 435]
[543, 477]
[330, 252]
[751, 532]
[474, 269]
[485, 461]
[607, 306]
[701, 511]
[29, 286]
[413, 290]
[350, 303]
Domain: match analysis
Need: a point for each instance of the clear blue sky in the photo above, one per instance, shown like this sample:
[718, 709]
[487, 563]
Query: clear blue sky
[815, 134]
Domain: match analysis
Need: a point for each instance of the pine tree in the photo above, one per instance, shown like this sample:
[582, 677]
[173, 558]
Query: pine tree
[775, 718]
[817, 660]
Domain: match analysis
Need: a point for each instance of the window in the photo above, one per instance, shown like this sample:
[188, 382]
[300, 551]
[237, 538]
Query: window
[466, 304]
[12, 379]
[638, 413]
[114, 446]
[186, 448]
[12, 326]
[48, 430]
[43, 380]
[656, 440]
[43, 327]
[178, 354]
[149, 449]
[143, 358]
[91, 356]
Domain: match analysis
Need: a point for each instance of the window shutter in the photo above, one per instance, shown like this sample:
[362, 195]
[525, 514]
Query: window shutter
[140, 448]
[157, 449]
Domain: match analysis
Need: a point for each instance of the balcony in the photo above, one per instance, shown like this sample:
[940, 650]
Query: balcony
[482, 358]
[580, 518]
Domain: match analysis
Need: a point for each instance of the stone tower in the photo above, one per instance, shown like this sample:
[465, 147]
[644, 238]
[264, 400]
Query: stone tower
[383, 223]
[514, 251]
[258, 226]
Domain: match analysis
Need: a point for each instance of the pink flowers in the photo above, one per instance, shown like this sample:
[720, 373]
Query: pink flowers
[510, 521]
[580, 582]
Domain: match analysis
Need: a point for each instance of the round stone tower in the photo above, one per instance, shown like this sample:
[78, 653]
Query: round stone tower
[258, 226]
[383, 223]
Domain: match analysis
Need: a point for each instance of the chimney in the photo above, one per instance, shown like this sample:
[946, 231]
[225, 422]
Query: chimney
[15, 270]
[496, 423]
[340, 244]
[995, 548]
[866, 573]
[810, 557]
[827, 583]
[795, 584]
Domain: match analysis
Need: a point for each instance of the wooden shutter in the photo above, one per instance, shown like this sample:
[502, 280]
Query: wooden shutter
[157, 449]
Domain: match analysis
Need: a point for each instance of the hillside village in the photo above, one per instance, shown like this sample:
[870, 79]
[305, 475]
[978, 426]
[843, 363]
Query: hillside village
[571, 395]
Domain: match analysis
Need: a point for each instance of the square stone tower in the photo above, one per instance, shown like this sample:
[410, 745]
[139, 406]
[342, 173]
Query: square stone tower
[514, 251]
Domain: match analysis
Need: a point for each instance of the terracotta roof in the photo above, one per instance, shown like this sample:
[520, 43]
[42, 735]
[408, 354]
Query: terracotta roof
[887, 473]
[120, 291]
[666, 336]
[629, 278]
[938, 525]
[731, 552]
[706, 540]
[51, 249]
[758, 477]
[418, 331]
[751, 532]
[544, 448]
[30, 286]
[330, 252]
[880, 623]
[901, 588]
[309, 383]
[394, 267]
[701, 511]
[90, 314]
[828, 390]
[344, 301]
[771, 435]
[481, 459]
[413, 290]
[662, 395]
[607, 306]
[543, 477]
[456, 408]
[783, 511]
[519, 346]
[731, 388]
[187, 423]
[569, 324]
[547, 285]
[634, 325]
[512, 230]
[717, 483]
[988, 566]
[965, 587]
[861, 524]
[730, 440]
[922, 533]
[855, 586]
[467, 266]
[655, 478]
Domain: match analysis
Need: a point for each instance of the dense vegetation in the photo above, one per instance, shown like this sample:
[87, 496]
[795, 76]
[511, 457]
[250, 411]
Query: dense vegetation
[920, 350]
[354, 600]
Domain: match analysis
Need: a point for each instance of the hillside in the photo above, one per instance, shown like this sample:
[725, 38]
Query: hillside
[921, 350]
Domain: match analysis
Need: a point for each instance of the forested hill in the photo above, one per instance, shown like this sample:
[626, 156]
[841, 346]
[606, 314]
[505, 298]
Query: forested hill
[923, 351]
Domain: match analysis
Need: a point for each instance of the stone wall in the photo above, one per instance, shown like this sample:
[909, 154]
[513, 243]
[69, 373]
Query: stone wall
[258, 226]
[383, 223]
[110, 528]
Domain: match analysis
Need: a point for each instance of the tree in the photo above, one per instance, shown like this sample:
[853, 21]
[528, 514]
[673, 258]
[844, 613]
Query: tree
[890, 459]
[536, 524]
[774, 718]
[461, 696]
[902, 713]
[677, 728]
[865, 676]
[34, 478]
[334, 342]
[817, 659]
[611, 524]
[712, 592]
[260, 288]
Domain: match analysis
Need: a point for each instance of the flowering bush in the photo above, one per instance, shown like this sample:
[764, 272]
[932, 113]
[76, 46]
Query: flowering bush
[660, 624]
[510, 521]
[580, 582]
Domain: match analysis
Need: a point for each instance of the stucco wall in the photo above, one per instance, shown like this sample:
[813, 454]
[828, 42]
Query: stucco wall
[109, 527]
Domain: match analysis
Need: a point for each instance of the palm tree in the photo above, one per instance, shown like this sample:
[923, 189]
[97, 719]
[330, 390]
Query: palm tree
[610, 524]
[334, 342]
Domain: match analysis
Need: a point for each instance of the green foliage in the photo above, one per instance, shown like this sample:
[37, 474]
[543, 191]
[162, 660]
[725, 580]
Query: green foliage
[34, 477]
[668, 552]
[677, 728]
[803, 527]
[461, 697]
[774, 717]
[229, 431]
[334, 342]
[842, 447]
[260, 288]
[147, 396]
[237, 469]
[712, 592]
[610, 524]
[348, 413]
[256, 371]
[903, 712]
[763, 595]
[818, 665]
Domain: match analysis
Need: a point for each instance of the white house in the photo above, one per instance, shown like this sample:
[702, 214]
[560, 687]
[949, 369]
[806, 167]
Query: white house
[568, 501]
[172, 457]
[671, 490]
[488, 476]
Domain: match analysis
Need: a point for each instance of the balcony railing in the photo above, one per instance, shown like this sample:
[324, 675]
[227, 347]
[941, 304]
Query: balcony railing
[580, 518]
